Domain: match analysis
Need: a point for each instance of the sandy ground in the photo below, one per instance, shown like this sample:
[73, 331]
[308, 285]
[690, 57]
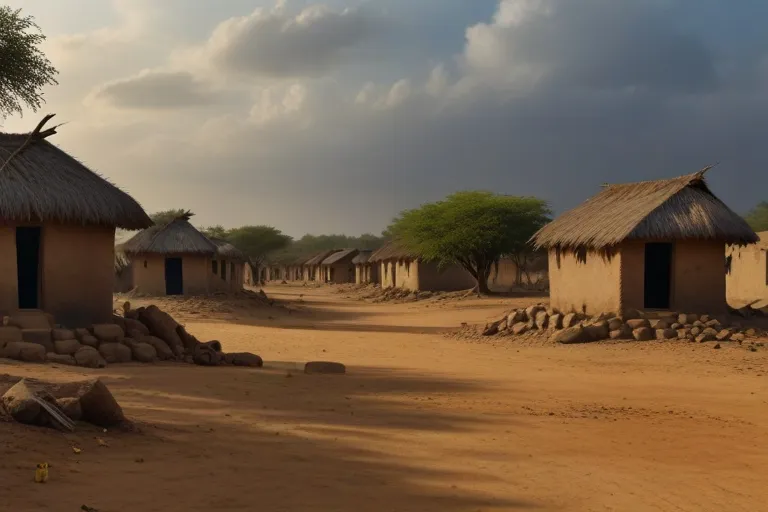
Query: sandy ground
[420, 422]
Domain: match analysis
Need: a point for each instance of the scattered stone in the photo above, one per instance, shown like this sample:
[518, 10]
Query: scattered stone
[717, 346]
[738, 337]
[556, 322]
[163, 326]
[666, 334]
[143, 352]
[520, 328]
[135, 325]
[643, 333]
[638, 323]
[324, 367]
[164, 352]
[98, 405]
[89, 357]
[24, 351]
[204, 355]
[491, 329]
[711, 331]
[615, 323]
[699, 323]
[70, 406]
[633, 314]
[20, 402]
[686, 319]
[54, 358]
[696, 331]
[516, 316]
[705, 337]
[66, 347]
[723, 335]
[109, 333]
[62, 334]
[248, 359]
[571, 335]
[115, 353]
[598, 331]
[622, 333]
[676, 326]
[541, 320]
[570, 320]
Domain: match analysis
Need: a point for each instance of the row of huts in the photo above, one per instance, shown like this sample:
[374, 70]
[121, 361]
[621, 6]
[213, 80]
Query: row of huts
[393, 266]
[663, 245]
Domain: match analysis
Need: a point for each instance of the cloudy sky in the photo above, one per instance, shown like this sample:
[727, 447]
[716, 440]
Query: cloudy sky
[330, 118]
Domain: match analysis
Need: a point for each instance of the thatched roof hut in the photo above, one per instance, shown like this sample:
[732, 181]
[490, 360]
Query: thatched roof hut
[340, 255]
[647, 245]
[228, 251]
[391, 250]
[175, 237]
[318, 259]
[41, 183]
[362, 257]
[681, 208]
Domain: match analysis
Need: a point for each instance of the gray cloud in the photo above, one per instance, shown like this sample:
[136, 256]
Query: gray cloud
[156, 90]
[277, 44]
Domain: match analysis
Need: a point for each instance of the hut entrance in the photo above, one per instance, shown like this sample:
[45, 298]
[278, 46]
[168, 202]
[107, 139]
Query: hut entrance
[174, 277]
[28, 266]
[658, 275]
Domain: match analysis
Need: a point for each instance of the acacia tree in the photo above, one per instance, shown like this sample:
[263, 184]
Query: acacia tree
[24, 69]
[758, 217]
[258, 242]
[472, 229]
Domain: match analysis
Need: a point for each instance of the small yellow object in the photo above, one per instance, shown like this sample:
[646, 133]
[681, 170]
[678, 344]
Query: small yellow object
[76, 450]
[41, 473]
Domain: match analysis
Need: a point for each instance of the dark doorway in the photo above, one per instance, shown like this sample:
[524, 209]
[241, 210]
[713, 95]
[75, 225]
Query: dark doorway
[28, 266]
[174, 277]
[658, 275]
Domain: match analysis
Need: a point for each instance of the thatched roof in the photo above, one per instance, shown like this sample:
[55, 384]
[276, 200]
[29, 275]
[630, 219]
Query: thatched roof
[676, 209]
[339, 256]
[228, 251]
[392, 251]
[319, 258]
[176, 237]
[362, 257]
[41, 183]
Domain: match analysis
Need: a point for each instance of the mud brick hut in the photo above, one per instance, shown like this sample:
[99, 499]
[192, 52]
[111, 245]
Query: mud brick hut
[365, 271]
[746, 280]
[57, 231]
[311, 267]
[653, 245]
[172, 259]
[227, 267]
[399, 268]
[338, 268]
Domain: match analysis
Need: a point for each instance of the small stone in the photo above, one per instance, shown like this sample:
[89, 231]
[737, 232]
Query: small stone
[598, 331]
[571, 335]
[541, 320]
[615, 323]
[683, 333]
[643, 333]
[717, 346]
[686, 319]
[705, 337]
[324, 367]
[556, 322]
[751, 332]
[676, 326]
[570, 320]
[519, 328]
[666, 334]
[699, 323]
[714, 323]
[738, 337]
[252, 360]
[723, 335]
[696, 330]
[633, 314]
[532, 311]
[711, 331]
[638, 323]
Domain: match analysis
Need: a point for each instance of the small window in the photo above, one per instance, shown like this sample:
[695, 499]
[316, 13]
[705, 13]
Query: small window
[145, 263]
[215, 267]
[223, 271]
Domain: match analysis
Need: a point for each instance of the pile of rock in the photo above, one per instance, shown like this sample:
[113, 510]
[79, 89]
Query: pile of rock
[144, 335]
[632, 325]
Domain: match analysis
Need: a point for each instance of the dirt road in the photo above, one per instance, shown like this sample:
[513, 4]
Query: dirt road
[419, 423]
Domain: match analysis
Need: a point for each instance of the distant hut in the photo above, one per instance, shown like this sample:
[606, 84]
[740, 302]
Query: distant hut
[227, 267]
[172, 259]
[400, 268]
[365, 271]
[338, 268]
[311, 267]
[656, 245]
[58, 231]
[295, 270]
[746, 279]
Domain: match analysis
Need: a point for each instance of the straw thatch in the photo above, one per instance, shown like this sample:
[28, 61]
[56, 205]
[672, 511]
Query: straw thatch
[41, 183]
[339, 256]
[392, 251]
[176, 237]
[319, 258]
[676, 209]
[228, 251]
[362, 257]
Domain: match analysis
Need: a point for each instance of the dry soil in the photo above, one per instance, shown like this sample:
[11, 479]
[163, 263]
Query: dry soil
[420, 423]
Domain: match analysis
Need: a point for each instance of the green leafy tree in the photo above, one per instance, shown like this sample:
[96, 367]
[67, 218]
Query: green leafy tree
[258, 242]
[473, 229]
[167, 216]
[758, 217]
[217, 231]
[309, 245]
[23, 67]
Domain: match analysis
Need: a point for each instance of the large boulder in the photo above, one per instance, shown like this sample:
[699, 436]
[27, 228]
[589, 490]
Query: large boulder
[71, 407]
[187, 339]
[63, 334]
[89, 357]
[98, 405]
[598, 331]
[643, 333]
[162, 350]
[20, 402]
[66, 347]
[163, 326]
[135, 325]
[244, 359]
[108, 333]
[571, 335]
[638, 323]
[40, 336]
[115, 353]
[205, 355]
[90, 341]
[666, 334]
[144, 352]
[51, 357]
[622, 333]
[23, 351]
